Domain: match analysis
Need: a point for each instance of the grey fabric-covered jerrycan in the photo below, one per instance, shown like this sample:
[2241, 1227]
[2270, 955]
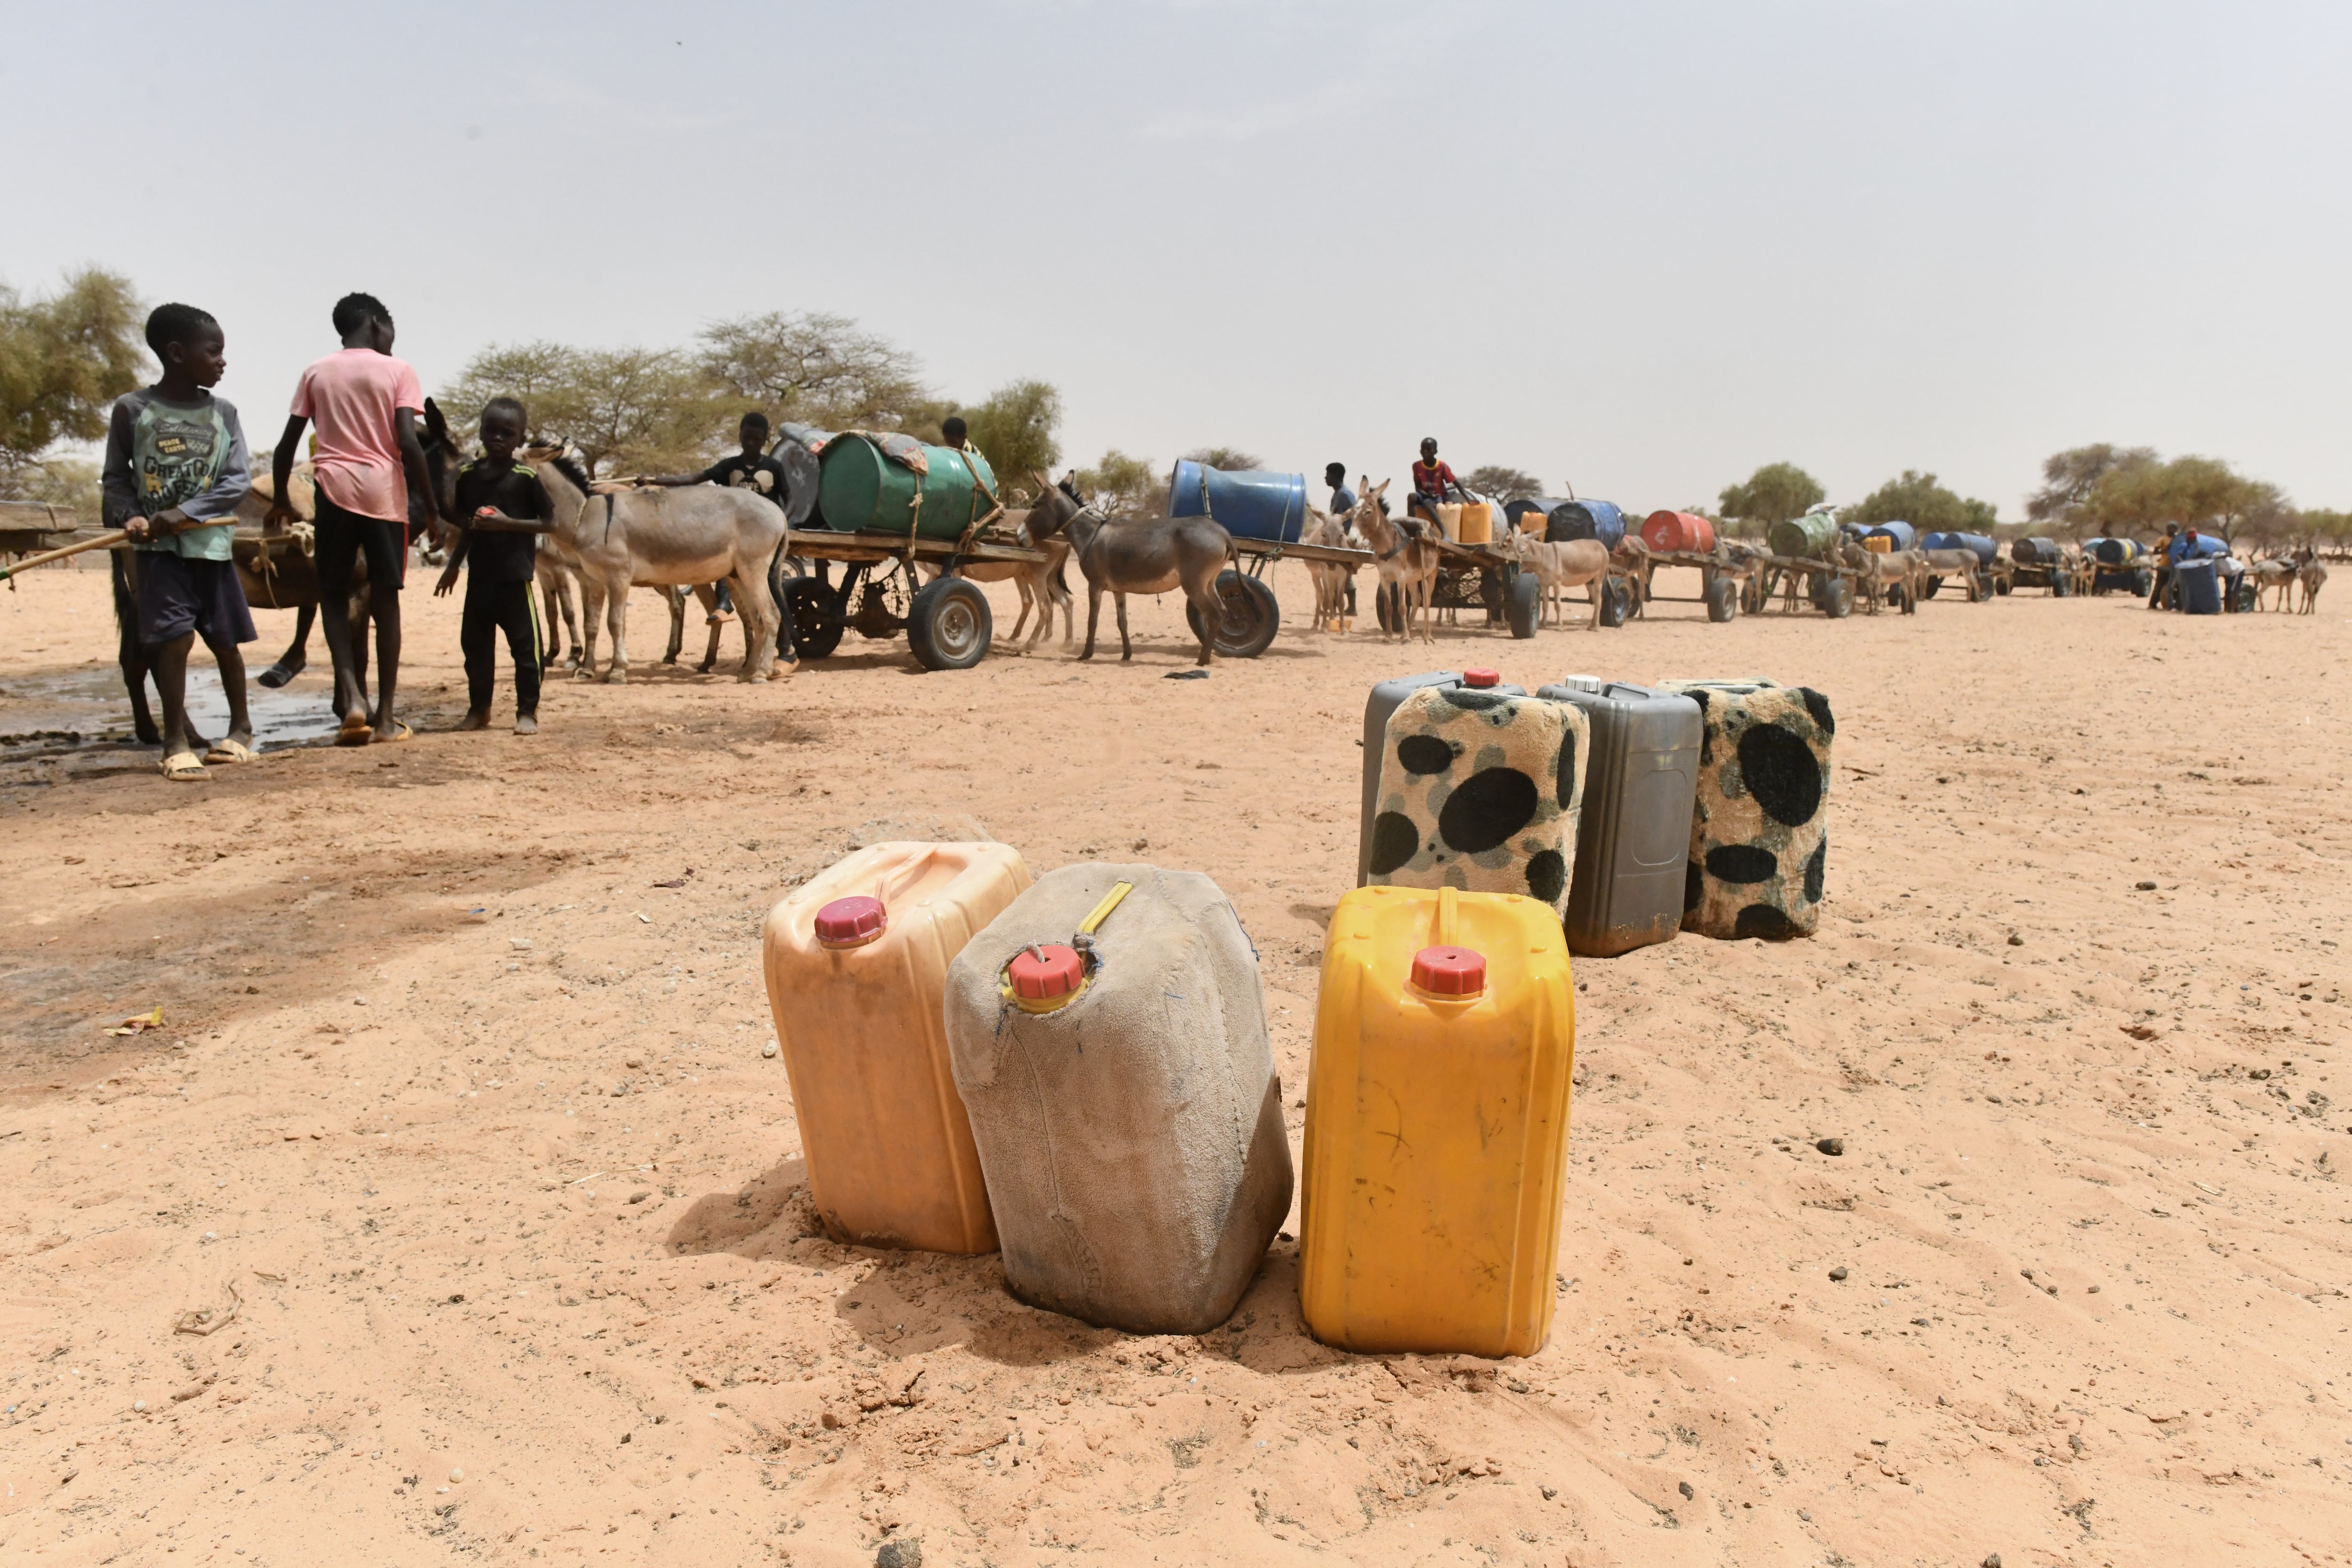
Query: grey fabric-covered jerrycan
[1111, 1048]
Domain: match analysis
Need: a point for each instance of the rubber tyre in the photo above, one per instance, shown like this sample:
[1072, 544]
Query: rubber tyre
[1933, 583]
[1722, 600]
[817, 620]
[1837, 598]
[1613, 606]
[1252, 615]
[949, 625]
[1523, 603]
[1752, 596]
[2059, 586]
[2143, 581]
[2000, 585]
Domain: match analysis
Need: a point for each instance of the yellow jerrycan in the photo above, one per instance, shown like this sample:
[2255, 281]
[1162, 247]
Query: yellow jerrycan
[1437, 1124]
[856, 961]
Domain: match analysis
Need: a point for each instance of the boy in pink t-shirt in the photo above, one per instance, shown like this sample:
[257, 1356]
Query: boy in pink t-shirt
[365, 404]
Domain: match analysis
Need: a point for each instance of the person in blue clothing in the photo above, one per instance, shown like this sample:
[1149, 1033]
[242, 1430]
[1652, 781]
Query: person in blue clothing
[1343, 499]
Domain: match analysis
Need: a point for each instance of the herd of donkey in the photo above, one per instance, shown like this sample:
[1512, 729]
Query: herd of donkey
[612, 537]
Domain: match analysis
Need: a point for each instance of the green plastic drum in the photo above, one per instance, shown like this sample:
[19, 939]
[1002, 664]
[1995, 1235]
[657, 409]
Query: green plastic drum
[861, 491]
[1807, 538]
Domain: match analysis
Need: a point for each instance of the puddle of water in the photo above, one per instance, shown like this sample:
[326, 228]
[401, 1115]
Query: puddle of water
[53, 714]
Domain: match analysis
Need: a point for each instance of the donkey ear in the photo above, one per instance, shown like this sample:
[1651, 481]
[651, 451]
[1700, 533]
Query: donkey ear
[435, 423]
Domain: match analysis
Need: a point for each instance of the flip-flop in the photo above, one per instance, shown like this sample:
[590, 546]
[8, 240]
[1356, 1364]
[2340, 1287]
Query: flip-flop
[183, 767]
[355, 732]
[399, 730]
[226, 751]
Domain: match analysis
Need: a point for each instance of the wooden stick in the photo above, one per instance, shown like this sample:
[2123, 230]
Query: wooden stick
[103, 542]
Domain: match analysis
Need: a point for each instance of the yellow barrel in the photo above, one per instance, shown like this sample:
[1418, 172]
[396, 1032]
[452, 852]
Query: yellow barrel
[1477, 524]
[856, 962]
[1437, 1124]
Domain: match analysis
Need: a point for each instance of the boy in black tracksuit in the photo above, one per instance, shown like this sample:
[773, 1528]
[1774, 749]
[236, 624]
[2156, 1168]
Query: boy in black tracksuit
[498, 587]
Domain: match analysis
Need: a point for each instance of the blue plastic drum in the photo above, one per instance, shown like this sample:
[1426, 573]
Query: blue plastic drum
[1252, 505]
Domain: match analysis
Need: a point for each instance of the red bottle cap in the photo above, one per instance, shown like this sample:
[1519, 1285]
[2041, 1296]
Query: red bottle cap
[1482, 677]
[1039, 974]
[850, 923]
[1449, 970]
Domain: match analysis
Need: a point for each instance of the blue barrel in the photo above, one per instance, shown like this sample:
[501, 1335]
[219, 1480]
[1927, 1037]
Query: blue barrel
[1986, 551]
[2199, 587]
[2207, 545]
[1255, 505]
[1598, 520]
[1904, 535]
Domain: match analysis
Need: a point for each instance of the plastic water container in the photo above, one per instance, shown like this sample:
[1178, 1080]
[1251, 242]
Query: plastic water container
[1632, 840]
[1598, 520]
[1110, 1040]
[1377, 706]
[2197, 585]
[856, 961]
[1249, 504]
[1678, 531]
[1476, 525]
[1899, 535]
[1480, 792]
[1437, 1124]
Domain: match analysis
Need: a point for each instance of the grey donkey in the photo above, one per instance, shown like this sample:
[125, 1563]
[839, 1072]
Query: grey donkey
[1144, 555]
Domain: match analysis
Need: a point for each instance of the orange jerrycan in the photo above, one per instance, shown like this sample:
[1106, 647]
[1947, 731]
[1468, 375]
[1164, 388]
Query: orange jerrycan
[856, 962]
[1437, 1124]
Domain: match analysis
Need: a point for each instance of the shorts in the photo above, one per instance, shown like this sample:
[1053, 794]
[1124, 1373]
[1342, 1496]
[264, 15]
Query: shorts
[341, 535]
[178, 596]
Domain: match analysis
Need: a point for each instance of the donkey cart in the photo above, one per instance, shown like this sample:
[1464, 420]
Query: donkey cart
[1487, 576]
[1251, 614]
[946, 620]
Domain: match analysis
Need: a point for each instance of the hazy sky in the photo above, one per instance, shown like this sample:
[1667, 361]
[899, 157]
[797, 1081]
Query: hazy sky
[1640, 247]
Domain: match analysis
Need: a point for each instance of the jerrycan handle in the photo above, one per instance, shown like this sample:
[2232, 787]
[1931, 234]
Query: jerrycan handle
[1102, 910]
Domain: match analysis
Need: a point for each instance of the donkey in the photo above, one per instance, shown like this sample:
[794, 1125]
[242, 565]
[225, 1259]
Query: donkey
[1331, 579]
[2311, 574]
[290, 581]
[1406, 562]
[1040, 583]
[1561, 564]
[1145, 555]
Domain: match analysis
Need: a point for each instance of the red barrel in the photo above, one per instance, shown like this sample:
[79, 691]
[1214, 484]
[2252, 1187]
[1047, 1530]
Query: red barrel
[1678, 531]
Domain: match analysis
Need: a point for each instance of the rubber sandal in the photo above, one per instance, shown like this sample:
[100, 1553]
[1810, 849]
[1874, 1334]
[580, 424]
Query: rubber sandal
[225, 751]
[354, 732]
[399, 732]
[183, 767]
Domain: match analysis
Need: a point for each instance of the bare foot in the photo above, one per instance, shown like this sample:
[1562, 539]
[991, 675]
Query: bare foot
[474, 719]
[526, 725]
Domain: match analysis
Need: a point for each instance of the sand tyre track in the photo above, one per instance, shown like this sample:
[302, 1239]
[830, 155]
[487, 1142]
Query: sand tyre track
[1251, 616]
[949, 625]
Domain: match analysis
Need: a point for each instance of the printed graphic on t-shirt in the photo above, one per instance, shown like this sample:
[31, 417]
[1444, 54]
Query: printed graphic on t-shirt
[177, 453]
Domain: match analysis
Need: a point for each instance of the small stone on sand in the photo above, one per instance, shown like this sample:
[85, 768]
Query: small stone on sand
[1832, 1146]
[1839, 1272]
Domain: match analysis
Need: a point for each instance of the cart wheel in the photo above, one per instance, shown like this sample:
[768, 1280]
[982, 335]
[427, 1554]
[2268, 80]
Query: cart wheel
[2000, 585]
[1523, 603]
[1722, 600]
[1933, 583]
[1751, 597]
[2143, 581]
[1835, 596]
[817, 620]
[1251, 618]
[2059, 587]
[948, 624]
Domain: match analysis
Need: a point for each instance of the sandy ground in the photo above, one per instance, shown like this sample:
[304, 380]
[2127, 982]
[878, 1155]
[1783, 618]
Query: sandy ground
[459, 1105]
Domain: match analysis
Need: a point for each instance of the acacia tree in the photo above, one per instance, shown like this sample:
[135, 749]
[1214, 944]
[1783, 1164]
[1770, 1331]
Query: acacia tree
[1772, 494]
[1230, 459]
[1502, 484]
[1128, 486]
[813, 368]
[1926, 503]
[2069, 479]
[1014, 429]
[64, 359]
[623, 410]
[2204, 493]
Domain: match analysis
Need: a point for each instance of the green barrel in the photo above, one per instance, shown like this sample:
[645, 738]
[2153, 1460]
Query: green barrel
[861, 491]
[1806, 538]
